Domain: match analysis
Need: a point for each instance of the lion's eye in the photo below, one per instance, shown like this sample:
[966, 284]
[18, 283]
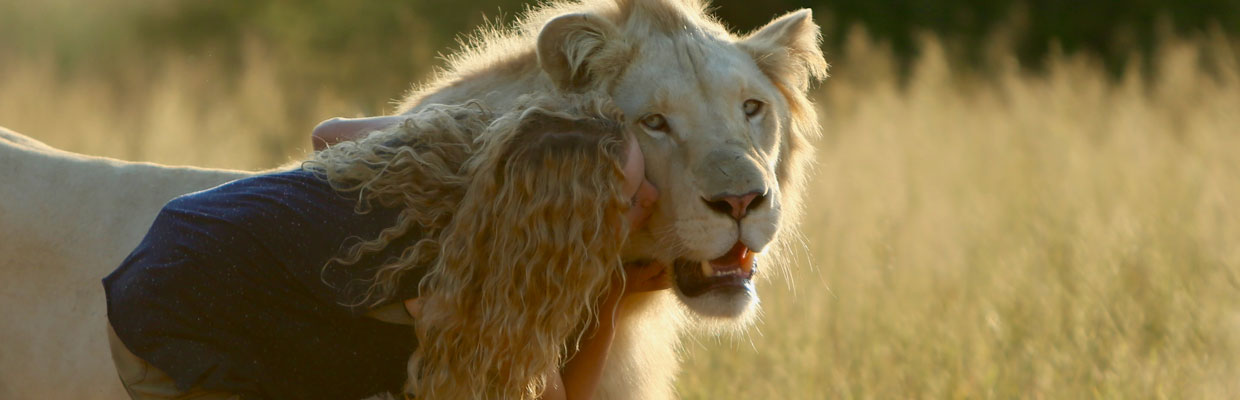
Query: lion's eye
[752, 107]
[655, 122]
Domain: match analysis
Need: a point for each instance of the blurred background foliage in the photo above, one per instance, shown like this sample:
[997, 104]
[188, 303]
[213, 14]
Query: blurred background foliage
[369, 50]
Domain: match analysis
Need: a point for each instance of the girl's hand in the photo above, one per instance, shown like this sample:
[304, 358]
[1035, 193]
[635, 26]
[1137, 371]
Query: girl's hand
[644, 277]
[414, 307]
[641, 193]
[337, 130]
[639, 278]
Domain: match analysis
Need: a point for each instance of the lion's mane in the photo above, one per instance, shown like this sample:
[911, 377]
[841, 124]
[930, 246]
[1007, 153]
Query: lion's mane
[520, 224]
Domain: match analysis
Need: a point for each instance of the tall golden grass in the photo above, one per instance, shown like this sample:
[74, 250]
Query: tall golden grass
[995, 234]
[1056, 235]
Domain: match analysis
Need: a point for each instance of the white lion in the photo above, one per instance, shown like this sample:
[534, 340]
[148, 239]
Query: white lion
[727, 124]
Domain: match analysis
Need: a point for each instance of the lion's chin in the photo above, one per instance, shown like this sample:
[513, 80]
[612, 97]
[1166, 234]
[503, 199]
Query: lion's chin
[720, 288]
[730, 304]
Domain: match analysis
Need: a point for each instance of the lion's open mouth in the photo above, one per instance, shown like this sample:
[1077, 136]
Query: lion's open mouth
[733, 271]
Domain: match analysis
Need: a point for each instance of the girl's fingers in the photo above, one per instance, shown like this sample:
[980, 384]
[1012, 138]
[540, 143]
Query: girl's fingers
[414, 307]
[646, 277]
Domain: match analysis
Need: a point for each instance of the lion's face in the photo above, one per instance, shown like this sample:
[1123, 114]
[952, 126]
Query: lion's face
[709, 123]
[715, 117]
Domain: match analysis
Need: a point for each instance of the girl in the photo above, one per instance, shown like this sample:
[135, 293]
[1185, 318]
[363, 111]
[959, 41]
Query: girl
[508, 227]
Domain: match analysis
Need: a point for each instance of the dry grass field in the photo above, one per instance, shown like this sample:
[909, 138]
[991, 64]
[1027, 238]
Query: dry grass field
[1048, 236]
[1057, 234]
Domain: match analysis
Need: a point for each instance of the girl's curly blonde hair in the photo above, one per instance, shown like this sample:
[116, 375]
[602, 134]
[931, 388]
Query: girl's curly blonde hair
[519, 219]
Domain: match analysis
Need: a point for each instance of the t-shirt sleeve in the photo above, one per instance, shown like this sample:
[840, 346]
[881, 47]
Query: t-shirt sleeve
[288, 227]
[305, 225]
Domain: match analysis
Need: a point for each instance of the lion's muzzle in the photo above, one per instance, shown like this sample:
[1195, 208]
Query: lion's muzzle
[732, 271]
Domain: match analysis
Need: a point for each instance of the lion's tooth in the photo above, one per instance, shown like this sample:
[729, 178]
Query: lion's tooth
[707, 270]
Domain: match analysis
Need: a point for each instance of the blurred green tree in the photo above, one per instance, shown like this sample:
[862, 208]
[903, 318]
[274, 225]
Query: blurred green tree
[1112, 29]
[362, 47]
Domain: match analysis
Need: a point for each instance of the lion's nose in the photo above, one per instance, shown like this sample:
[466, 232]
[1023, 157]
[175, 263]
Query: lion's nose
[736, 206]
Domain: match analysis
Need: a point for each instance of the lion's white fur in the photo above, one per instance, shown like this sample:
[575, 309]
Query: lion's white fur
[70, 219]
[66, 220]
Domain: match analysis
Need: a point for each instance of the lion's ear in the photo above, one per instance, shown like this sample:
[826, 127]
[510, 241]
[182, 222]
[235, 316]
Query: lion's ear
[580, 50]
[788, 49]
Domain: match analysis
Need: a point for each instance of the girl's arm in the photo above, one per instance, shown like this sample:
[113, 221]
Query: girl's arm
[337, 130]
[580, 377]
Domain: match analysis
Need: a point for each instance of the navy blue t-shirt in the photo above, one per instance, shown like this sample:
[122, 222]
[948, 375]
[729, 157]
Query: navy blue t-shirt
[228, 291]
